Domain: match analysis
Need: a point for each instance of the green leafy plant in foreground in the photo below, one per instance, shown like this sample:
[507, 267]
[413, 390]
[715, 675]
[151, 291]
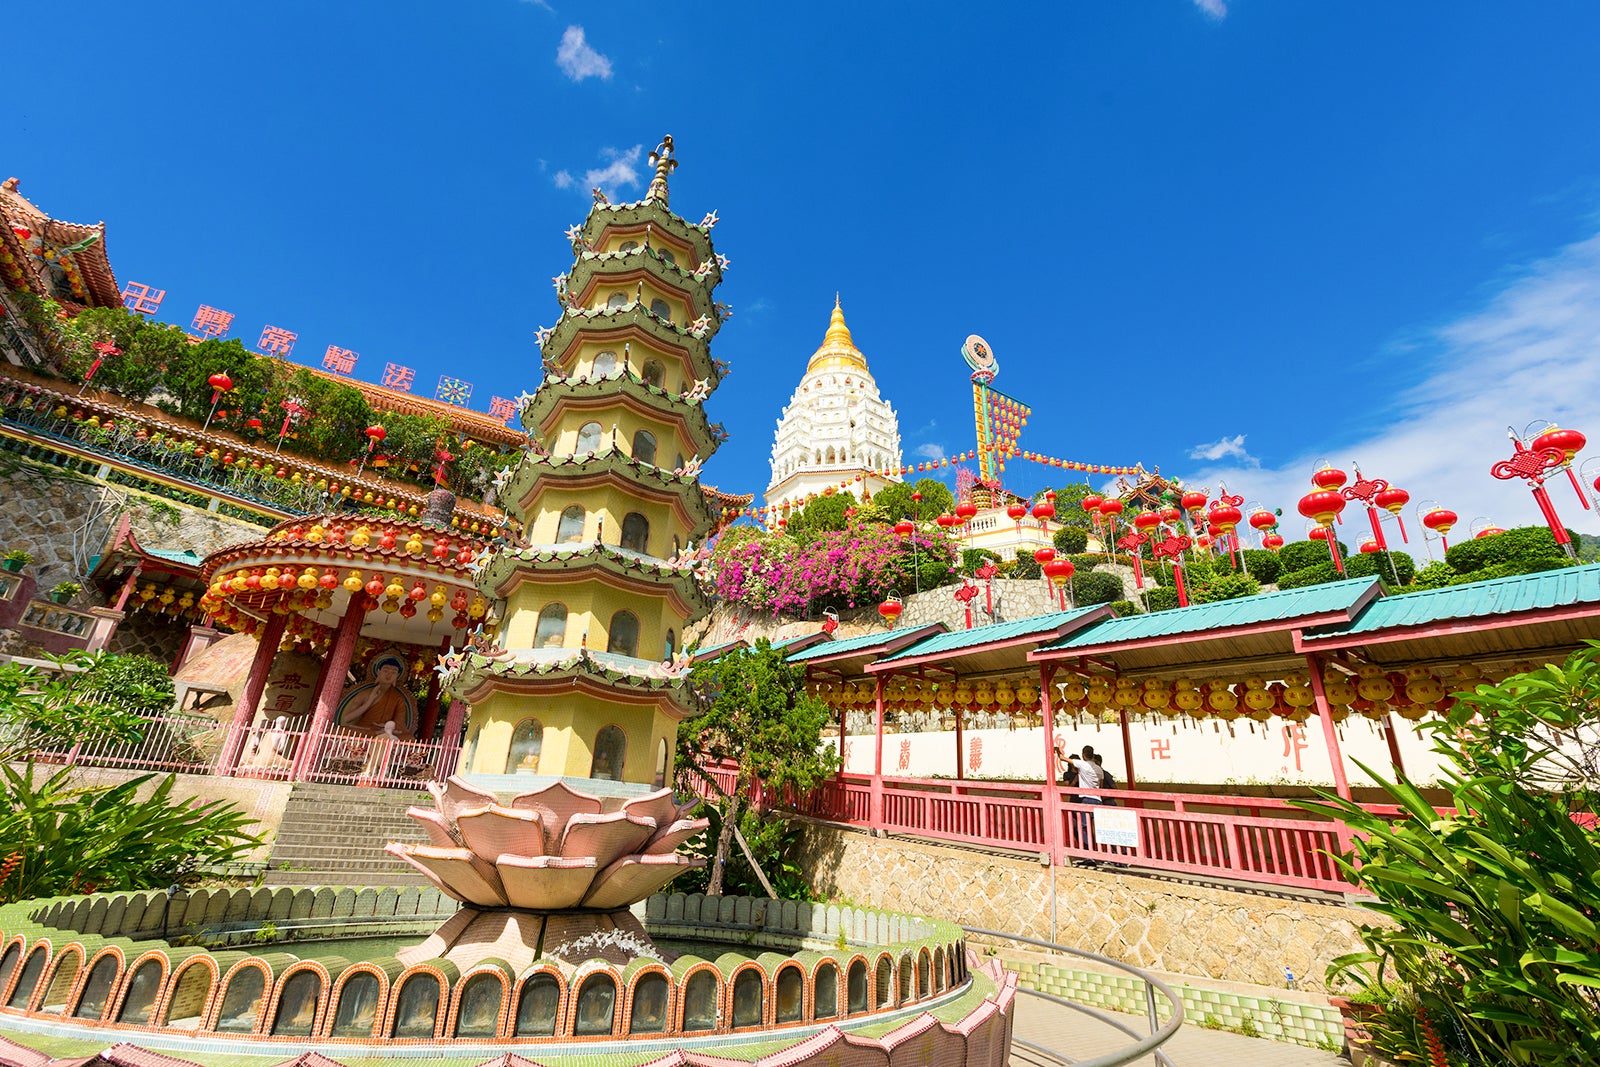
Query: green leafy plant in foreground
[1494, 951]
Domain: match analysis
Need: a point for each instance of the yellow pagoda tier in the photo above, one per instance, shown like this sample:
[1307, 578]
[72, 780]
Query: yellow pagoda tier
[582, 675]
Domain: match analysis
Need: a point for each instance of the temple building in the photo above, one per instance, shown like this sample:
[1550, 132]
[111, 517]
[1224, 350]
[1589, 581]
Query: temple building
[583, 677]
[836, 428]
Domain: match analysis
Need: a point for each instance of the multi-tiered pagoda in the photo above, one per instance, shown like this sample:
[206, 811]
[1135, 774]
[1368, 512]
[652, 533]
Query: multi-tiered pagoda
[582, 678]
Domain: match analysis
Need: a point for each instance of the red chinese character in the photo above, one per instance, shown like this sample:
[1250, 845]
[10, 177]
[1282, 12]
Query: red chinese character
[277, 341]
[398, 377]
[1160, 748]
[339, 360]
[975, 755]
[905, 755]
[502, 409]
[209, 322]
[845, 760]
[143, 299]
[292, 680]
[1294, 739]
[281, 706]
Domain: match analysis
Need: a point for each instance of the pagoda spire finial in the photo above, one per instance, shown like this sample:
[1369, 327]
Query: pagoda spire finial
[665, 161]
[838, 347]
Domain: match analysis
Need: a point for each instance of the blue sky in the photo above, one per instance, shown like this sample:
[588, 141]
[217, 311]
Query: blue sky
[1228, 237]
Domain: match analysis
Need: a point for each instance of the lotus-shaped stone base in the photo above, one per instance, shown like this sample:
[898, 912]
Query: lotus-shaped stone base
[551, 869]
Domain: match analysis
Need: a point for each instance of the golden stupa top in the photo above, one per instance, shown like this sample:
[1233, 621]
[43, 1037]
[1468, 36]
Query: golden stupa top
[838, 351]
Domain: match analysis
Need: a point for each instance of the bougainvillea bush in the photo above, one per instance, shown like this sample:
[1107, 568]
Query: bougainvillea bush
[839, 569]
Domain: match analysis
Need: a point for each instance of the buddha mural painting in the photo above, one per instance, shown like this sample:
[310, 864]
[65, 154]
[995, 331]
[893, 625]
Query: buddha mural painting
[382, 705]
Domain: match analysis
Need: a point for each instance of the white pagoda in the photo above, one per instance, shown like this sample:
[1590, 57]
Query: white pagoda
[836, 430]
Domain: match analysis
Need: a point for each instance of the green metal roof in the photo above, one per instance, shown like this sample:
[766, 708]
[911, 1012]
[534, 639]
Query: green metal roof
[995, 632]
[1281, 606]
[1566, 587]
[859, 643]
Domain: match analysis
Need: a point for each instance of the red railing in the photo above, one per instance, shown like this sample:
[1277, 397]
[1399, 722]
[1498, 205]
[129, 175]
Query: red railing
[1252, 839]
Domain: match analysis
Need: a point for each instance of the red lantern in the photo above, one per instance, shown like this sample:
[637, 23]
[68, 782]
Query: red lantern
[1193, 502]
[1318, 533]
[890, 609]
[1110, 507]
[1044, 555]
[329, 579]
[1488, 531]
[220, 383]
[1369, 545]
[1324, 506]
[1392, 499]
[916, 497]
[1059, 571]
[1146, 521]
[965, 510]
[904, 528]
[1569, 441]
[375, 588]
[1225, 518]
[459, 601]
[1272, 542]
[1263, 520]
[1170, 514]
[418, 591]
[1440, 520]
[408, 608]
[254, 424]
[1328, 478]
[1091, 503]
[947, 521]
[1016, 512]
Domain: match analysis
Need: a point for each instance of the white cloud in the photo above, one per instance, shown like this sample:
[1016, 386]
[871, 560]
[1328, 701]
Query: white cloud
[930, 451]
[541, 3]
[621, 171]
[1526, 354]
[578, 60]
[1228, 446]
[1217, 9]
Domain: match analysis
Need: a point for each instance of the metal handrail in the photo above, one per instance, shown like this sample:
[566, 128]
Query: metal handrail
[1144, 1045]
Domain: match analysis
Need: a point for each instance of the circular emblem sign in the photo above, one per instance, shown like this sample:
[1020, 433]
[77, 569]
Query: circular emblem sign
[979, 356]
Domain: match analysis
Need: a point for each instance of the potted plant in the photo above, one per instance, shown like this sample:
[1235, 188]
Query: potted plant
[63, 592]
[1357, 1012]
[16, 559]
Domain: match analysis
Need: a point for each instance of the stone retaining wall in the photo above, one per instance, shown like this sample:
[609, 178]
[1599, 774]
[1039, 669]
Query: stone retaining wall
[1152, 923]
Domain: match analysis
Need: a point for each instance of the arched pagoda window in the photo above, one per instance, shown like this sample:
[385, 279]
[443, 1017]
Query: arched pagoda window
[622, 636]
[569, 531]
[604, 363]
[653, 372]
[552, 629]
[588, 437]
[635, 532]
[644, 447]
[661, 309]
[610, 749]
[617, 300]
[527, 740]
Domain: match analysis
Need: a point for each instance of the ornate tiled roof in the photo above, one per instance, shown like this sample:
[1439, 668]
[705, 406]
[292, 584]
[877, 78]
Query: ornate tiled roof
[558, 390]
[474, 424]
[17, 213]
[472, 674]
[595, 268]
[496, 577]
[590, 324]
[612, 464]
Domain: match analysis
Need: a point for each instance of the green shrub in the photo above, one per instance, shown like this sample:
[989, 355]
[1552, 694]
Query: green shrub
[1095, 587]
[973, 558]
[1298, 555]
[1025, 567]
[1523, 543]
[140, 682]
[1316, 574]
[1513, 567]
[1124, 607]
[1435, 575]
[1377, 565]
[1161, 599]
[1263, 566]
[1071, 540]
[1223, 587]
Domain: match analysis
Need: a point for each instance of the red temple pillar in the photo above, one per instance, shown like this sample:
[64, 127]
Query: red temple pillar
[876, 813]
[958, 744]
[449, 755]
[1050, 796]
[1329, 734]
[1394, 744]
[1127, 749]
[255, 685]
[430, 709]
[339, 657]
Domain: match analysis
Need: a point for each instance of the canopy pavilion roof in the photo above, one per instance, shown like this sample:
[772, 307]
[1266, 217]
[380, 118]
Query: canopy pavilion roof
[996, 647]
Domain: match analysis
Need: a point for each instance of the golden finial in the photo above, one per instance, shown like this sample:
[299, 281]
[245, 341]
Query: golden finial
[838, 348]
[665, 161]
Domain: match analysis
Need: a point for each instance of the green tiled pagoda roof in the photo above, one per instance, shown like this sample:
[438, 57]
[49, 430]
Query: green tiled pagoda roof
[1567, 587]
[959, 640]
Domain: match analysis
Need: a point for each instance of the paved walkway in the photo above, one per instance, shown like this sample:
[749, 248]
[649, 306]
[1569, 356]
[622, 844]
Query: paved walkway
[1082, 1037]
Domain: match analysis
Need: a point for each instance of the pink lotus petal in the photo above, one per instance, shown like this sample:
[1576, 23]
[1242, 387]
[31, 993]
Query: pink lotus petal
[545, 883]
[668, 838]
[455, 870]
[662, 806]
[556, 803]
[493, 830]
[437, 826]
[457, 794]
[605, 837]
[632, 878]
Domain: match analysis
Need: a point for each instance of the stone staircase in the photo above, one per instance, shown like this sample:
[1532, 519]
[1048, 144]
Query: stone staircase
[334, 835]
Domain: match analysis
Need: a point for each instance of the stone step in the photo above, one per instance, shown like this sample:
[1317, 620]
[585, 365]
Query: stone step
[333, 834]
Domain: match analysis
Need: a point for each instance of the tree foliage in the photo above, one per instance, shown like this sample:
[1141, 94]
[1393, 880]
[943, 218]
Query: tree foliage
[894, 502]
[1071, 540]
[754, 710]
[1494, 951]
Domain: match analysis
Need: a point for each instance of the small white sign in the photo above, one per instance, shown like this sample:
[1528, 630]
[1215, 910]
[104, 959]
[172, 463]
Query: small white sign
[1116, 826]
